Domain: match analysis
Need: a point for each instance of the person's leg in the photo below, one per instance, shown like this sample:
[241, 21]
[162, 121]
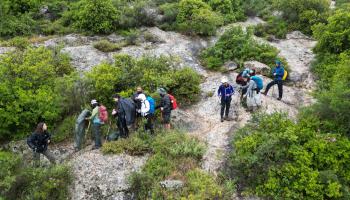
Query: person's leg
[166, 117]
[97, 134]
[269, 86]
[228, 104]
[50, 156]
[280, 89]
[36, 159]
[223, 105]
[79, 135]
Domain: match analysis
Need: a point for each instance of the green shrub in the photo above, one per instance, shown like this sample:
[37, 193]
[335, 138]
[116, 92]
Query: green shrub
[28, 89]
[107, 46]
[197, 17]
[201, 185]
[149, 72]
[20, 182]
[131, 36]
[95, 16]
[274, 26]
[231, 10]
[170, 12]
[19, 42]
[276, 158]
[303, 14]
[237, 45]
[260, 8]
[333, 36]
[65, 129]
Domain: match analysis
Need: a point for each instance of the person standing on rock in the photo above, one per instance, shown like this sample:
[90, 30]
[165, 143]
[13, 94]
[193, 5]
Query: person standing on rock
[225, 93]
[278, 74]
[137, 102]
[96, 123]
[124, 111]
[165, 107]
[39, 142]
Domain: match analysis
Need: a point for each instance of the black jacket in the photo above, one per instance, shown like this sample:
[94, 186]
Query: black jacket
[126, 110]
[166, 104]
[38, 142]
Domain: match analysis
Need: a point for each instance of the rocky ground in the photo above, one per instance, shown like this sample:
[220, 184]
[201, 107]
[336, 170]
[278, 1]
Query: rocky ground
[105, 177]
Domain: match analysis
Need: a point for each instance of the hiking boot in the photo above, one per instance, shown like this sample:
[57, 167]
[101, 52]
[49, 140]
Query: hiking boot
[228, 119]
[222, 119]
[279, 98]
[264, 93]
[94, 148]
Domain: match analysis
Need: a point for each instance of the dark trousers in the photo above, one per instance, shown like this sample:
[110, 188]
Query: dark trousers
[96, 128]
[280, 87]
[47, 154]
[122, 127]
[79, 135]
[149, 124]
[225, 106]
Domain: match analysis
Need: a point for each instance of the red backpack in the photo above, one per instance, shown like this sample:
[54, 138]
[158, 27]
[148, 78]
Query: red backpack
[173, 101]
[103, 114]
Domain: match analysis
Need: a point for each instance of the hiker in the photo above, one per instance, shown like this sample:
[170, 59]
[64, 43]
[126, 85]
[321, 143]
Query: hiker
[137, 102]
[124, 111]
[278, 74]
[38, 142]
[242, 81]
[253, 87]
[96, 123]
[146, 111]
[80, 127]
[165, 107]
[225, 93]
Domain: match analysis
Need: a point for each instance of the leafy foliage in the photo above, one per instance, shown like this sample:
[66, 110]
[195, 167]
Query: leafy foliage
[29, 89]
[275, 158]
[20, 182]
[128, 73]
[237, 45]
[107, 46]
[275, 26]
[231, 10]
[197, 17]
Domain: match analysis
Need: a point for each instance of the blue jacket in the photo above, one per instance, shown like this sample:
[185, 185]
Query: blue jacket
[279, 72]
[225, 92]
[152, 104]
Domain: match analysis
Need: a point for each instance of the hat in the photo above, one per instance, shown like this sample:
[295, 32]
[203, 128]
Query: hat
[141, 97]
[224, 79]
[161, 91]
[94, 101]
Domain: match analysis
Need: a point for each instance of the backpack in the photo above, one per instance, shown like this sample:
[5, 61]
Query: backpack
[285, 75]
[240, 80]
[152, 104]
[173, 102]
[259, 82]
[103, 114]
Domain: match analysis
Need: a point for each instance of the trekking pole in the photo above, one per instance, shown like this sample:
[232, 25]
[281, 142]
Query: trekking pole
[86, 131]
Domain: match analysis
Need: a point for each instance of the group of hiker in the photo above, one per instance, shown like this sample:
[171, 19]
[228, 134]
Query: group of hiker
[127, 112]
[130, 112]
[250, 84]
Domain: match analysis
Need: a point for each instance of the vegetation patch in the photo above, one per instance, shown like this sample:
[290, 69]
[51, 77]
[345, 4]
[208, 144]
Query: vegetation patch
[240, 46]
[22, 182]
[107, 46]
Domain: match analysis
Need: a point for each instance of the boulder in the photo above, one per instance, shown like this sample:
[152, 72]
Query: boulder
[172, 184]
[258, 66]
[230, 66]
[297, 35]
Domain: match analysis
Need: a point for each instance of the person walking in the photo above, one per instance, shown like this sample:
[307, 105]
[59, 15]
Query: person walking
[137, 102]
[278, 74]
[225, 93]
[124, 111]
[96, 123]
[38, 142]
[165, 107]
[80, 127]
[146, 111]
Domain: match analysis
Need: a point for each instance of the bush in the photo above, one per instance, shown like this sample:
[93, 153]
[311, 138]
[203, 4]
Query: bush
[19, 182]
[19, 42]
[333, 36]
[65, 129]
[107, 46]
[170, 12]
[95, 16]
[257, 7]
[29, 89]
[277, 159]
[197, 17]
[303, 14]
[275, 26]
[149, 72]
[231, 10]
[176, 156]
[239, 46]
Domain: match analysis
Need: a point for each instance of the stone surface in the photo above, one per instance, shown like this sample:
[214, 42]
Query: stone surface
[230, 66]
[258, 66]
[4, 50]
[172, 184]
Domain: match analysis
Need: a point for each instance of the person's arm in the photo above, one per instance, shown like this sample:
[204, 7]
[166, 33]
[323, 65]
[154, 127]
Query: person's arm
[219, 91]
[281, 72]
[31, 142]
[167, 103]
[94, 113]
[232, 92]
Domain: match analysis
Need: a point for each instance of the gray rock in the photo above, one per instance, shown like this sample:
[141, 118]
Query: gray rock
[4, 50]
[297, 35]
[230, 66]
[258, 66]
[172, 184]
